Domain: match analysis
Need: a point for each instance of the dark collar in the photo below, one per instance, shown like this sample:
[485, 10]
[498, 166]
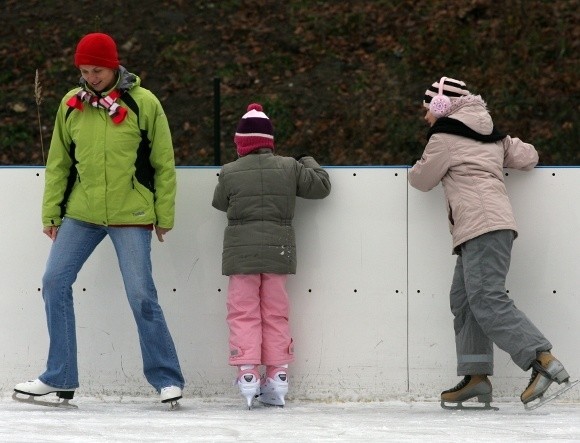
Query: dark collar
[453, 126]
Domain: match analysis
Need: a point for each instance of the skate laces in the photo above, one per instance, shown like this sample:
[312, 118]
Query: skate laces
[463, 383]
[535, 373]
[537, 369]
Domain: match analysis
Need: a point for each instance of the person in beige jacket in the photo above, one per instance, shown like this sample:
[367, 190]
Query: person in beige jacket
[467, 154]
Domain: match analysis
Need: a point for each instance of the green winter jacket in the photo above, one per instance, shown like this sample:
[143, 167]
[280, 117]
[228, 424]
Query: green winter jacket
[111, 174]
[258, 192]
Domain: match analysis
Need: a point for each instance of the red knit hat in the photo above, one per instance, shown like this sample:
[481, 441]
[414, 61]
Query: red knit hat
[97, 50]
[254, 131]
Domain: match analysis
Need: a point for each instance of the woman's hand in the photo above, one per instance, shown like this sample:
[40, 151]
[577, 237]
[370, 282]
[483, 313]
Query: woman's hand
[51, 231]
[161, 232]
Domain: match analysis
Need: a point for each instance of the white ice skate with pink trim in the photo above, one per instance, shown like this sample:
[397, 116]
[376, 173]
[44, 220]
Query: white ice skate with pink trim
[273, 391]
[249, 384]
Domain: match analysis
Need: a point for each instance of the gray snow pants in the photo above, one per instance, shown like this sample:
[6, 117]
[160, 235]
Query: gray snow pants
[484, 314]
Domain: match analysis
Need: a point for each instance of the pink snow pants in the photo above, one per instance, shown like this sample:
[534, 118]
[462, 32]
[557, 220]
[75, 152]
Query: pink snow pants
[258, 310]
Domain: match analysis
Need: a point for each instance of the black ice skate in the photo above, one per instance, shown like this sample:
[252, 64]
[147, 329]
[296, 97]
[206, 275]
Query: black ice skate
[470, 387]
[36, 388]
[545, 370]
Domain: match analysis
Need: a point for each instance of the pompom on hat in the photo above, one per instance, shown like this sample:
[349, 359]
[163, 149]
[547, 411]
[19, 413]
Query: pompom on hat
[254, 131]
[451, 88]
[97, 49]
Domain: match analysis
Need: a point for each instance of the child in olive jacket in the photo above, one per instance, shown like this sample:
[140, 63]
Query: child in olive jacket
[258, 191]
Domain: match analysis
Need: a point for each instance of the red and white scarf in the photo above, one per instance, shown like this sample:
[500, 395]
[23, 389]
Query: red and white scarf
[109, 103]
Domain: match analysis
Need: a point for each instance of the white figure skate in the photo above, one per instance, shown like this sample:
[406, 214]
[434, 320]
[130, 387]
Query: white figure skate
[249, 385]
[171, 395]
[36, 388]
[274, 390]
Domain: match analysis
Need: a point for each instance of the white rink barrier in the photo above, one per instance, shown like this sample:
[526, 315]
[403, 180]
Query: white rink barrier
[369, 304]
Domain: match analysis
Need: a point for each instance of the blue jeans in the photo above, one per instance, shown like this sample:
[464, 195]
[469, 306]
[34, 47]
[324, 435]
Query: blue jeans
[74, 244]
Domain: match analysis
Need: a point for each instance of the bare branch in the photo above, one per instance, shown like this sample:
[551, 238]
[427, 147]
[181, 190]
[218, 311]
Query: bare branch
[38, 97]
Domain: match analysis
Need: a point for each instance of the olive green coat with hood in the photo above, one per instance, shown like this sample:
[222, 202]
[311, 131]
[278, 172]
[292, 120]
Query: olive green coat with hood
[258, 191]
[111, 174]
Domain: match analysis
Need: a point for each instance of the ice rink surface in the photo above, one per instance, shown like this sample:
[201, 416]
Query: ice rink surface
[114, 419]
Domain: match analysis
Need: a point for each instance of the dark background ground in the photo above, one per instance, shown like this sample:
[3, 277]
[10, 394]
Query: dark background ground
[342, 80]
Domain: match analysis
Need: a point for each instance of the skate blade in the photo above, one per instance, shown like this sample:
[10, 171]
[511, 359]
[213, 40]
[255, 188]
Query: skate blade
[249, 393]
[271, 400]
[271, 405]
[172, 402]
[458, 406]
[543, 400]
[31, 400]
[250, 401]
[173, 405]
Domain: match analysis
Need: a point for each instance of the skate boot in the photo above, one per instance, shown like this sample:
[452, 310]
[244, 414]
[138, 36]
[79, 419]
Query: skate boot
[471, 386]
[545, 370]
[248, 382]
[275, 388]
[170, 394]
[36, 388]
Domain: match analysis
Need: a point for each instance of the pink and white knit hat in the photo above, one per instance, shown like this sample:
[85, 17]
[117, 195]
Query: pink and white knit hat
[254, 131]
[451, 88]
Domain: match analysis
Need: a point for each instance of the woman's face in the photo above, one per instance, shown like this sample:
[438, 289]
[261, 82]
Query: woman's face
[430, 118]
[98, 78]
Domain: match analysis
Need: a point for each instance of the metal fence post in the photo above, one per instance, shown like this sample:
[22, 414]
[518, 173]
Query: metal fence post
[216, 122]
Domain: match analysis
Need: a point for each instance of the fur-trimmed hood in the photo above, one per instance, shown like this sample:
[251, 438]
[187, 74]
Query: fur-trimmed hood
[472, 111]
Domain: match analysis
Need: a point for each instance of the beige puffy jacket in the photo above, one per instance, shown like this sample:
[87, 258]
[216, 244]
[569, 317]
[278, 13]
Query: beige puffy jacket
[471, 173]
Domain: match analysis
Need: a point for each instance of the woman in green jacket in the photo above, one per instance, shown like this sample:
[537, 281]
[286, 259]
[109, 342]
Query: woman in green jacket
[110, 171]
